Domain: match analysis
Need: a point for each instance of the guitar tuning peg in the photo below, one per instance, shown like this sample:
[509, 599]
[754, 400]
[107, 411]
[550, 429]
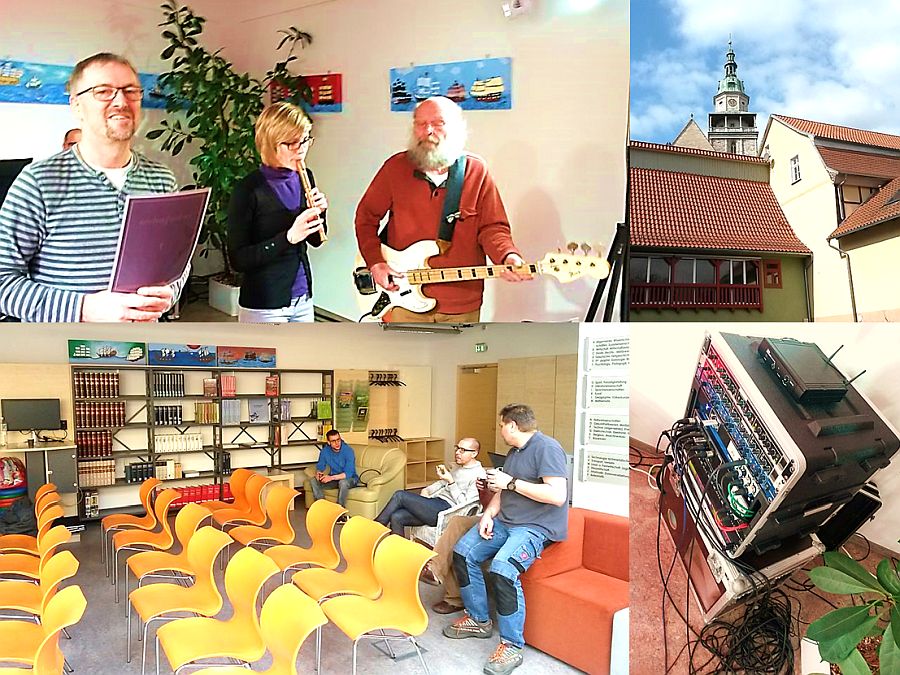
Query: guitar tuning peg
[572, 246]
[585, 247]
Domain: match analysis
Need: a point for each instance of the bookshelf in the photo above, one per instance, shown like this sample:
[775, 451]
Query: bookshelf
[422, 457]
[192, 423]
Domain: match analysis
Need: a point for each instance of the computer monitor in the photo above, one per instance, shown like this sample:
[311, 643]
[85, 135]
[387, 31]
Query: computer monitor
[9, 169]
[31, 414]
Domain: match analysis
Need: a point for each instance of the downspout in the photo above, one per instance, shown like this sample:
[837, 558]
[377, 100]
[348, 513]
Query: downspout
[839, 207]
[809, 291]
[846, 257]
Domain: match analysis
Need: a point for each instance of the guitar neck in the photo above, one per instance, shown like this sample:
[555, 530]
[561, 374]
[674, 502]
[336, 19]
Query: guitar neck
[439, 275]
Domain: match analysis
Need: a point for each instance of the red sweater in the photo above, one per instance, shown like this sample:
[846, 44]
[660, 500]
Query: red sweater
[415, 207]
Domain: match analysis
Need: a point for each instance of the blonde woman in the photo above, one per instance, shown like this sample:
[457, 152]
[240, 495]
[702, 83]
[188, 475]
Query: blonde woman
[270, 222]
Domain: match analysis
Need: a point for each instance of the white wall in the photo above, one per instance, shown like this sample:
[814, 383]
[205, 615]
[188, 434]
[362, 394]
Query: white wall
[663, 359]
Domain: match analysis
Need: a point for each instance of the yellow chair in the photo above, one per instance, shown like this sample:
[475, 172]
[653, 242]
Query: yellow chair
[46, 487]
[238, 485]
[141, 540]
[155, 601]
[64, 610]
[187, 640]
[27, 565]
[320, 523]
[279, 529]
[33, 598]
[125, 521]
[150, 563]
[359, 537]
[45, 501]
[288, 617]
[60, 615]
[398, 563]
[253, 513]
[20, 641]
[25, 543]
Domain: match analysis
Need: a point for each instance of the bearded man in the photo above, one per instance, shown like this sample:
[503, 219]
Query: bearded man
[411, 187]
[60, 222]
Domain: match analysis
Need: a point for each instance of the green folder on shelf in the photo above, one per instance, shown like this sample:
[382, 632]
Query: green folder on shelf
[323, 410]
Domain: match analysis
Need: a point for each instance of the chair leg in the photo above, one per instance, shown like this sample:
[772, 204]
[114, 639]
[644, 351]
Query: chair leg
[65, 632]
[128, 635]
[67, 666]
[416, 645]
[318, 650]
[157, 656]
[355, 645]
[387, 643]
[115, 564]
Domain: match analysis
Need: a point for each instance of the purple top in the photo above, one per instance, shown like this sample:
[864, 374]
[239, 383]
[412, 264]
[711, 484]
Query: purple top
[285, 183]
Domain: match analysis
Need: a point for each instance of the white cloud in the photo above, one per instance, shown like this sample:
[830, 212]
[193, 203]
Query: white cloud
[821, 60]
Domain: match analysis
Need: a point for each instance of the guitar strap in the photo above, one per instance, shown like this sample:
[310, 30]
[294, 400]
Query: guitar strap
[451, 203]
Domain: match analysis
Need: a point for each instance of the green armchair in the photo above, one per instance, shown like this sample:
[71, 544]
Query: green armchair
[389, 475]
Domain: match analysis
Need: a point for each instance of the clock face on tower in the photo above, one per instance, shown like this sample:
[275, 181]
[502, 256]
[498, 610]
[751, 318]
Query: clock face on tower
[732, 103]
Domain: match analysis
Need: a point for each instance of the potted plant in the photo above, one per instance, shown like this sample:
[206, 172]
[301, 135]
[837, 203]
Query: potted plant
[878, 616]
[215, 107]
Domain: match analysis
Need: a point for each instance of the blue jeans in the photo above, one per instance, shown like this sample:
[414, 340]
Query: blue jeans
[301, 310]
[512, 550]
[342, 486]
[409, 508]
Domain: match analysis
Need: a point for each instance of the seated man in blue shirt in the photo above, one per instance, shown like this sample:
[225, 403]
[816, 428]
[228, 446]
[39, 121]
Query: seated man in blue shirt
[340, 461]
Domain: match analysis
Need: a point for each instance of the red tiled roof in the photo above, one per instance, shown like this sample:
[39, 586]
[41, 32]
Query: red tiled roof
[872, 212]
[684, 210]
[838, 133]
[677, 149]
[861, 163]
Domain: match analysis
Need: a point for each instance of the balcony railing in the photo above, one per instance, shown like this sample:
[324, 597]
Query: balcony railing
[695, 296]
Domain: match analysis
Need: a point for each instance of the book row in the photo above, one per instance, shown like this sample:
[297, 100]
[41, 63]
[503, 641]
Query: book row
[96, 385]
[97, 414]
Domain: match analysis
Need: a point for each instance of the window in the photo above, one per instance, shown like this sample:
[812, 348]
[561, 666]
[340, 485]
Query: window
[795, 169]
[695, 283]
[772, 273]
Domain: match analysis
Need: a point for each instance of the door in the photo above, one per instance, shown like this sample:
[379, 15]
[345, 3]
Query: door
[476, 406]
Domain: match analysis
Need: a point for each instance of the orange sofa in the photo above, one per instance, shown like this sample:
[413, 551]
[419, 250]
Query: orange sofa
[575, 588]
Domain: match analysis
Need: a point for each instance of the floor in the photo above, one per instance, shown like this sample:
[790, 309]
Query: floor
[650, 637]
[98, 641]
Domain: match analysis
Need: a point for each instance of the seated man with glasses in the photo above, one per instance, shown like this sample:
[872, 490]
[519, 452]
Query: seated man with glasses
[60, 222]
[454, 487]
[412, 187]
[336, 469]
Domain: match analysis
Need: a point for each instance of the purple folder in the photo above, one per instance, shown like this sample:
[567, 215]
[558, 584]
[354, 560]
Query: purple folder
[158, 238]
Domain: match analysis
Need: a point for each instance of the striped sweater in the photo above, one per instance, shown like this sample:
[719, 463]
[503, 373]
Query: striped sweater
[59, 227]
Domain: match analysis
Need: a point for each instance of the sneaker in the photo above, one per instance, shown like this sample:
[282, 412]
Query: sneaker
[469, 627]
[343, 518]
[428, 576]
[505, 659]
[444, 607]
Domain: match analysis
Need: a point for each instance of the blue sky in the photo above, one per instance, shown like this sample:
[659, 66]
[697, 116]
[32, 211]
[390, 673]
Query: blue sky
[815, 59]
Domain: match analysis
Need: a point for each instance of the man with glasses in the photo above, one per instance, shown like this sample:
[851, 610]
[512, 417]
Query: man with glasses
[452, 489]
[336, 468]
[529, 510]
[60, 222]
[412, 187]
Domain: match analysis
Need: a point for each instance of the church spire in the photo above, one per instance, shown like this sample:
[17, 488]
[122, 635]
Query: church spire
[731, 82]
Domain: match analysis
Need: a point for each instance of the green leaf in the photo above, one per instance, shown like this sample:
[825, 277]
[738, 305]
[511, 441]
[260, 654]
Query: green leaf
[855, 664]
[839, 632]
[835, 581]
[889, 654]
[156, 133]
[887, 575]
[848, 565]
[895, 625]
[167, 52]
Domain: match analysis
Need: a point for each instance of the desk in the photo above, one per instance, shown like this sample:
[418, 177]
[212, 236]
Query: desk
[48, 461]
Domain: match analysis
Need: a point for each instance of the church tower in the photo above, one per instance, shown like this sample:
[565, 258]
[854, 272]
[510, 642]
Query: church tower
[731, 127]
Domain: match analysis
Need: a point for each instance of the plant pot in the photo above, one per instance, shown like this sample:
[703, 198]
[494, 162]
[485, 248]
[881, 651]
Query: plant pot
[223, 297]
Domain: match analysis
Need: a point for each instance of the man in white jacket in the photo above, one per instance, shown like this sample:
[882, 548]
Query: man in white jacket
[454, 488]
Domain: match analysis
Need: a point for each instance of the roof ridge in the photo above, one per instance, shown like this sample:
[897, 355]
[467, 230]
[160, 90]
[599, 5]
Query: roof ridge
[668, 147]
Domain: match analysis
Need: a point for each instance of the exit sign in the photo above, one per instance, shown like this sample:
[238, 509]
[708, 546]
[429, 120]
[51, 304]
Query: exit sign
[480, 347]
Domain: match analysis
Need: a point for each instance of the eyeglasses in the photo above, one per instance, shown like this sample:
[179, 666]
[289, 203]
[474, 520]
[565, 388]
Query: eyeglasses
[106, 92]
[294, 146]
[459, 447]
[334, 440]
[437, 124]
